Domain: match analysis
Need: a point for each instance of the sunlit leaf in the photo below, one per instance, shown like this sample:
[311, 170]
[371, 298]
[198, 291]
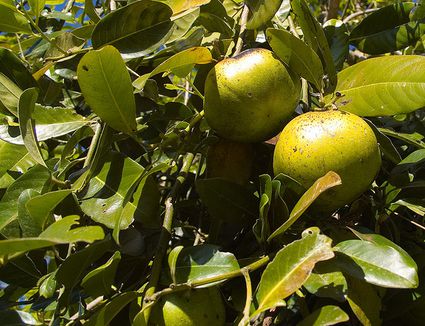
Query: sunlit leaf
[381, 86]
[12, 21]
[106, 86]
[290, 268]
[324, 316]
[261, 12]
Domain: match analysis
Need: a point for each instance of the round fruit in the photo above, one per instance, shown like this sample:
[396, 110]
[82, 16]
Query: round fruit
[315, 143]
[191, 308]
[230, 160]
[249, 97]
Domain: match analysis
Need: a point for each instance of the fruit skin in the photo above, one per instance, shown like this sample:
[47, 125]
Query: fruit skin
[249, 97]
[191, 308]
[317, 142]
[230, 160]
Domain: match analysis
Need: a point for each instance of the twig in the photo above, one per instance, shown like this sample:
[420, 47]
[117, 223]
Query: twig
[332, 11]
[243, 20]
[245, 319]
[359, 13]
[90, 306]
[93, 145]
[165, 236]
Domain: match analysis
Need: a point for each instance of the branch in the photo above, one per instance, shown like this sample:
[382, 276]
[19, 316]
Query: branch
[359, 13]
[332, 12]
[243, 20]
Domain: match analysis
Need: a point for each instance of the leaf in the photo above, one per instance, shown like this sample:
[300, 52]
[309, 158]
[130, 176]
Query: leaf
[9, 94]
[14, 69]
[109, 191]
[385, 144]
[329, 180]
[172, 262]
[136, 29]
[226, 200]
[106, 86]
[179, 6]
[36, 178]
[324, 316]
[203, 261]
[28, 226]
[414, 139]
[327, 281]
[290, 268]
[36, 7]
[297, 55]
[337, 35]
[382, 86]
[378, 264]
[10, 154]
[261, 12]
[387, 30]
[316, 38]
[57, 233]
[367, 311]
[20, 167]
[26, 124]
[183, 24]
[100, 280]
[416, 206]
[107, 313]
[12, 21]
[17, 317]
[41, 207]
[192, 56]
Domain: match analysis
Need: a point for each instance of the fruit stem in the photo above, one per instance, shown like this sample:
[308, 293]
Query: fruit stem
[164, 237]
[208, 280]
[242, 22]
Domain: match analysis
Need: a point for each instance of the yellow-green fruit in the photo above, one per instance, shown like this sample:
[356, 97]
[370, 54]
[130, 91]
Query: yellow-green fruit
[191, 308]
[317, 142]
[230, 160]
[249, 97]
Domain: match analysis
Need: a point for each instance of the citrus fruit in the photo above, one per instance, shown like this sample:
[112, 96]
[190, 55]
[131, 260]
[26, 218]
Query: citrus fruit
[249, 97]
[190, 308]
[315, 143]
[230, 160]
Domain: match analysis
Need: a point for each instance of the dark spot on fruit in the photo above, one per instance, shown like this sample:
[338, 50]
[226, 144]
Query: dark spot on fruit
[205, 315]
[294, 149]
[249, 94]
[187, 300]
[85, 68]
[217, 316]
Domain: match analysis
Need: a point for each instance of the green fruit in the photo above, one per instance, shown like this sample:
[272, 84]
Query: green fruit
[317, 142]
[191, 308]
[230, 160]
[248, 98]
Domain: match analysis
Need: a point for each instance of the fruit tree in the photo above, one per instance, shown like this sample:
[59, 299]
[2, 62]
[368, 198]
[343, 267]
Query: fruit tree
[212, 162]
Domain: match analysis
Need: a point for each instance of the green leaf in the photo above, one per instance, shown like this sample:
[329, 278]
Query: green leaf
[329, 180]
[100, 280]
[19, 168]
[106, 86]
[10, 154]
[105, 315]
[290, 268]
[192, 56]
[385, 144]
[48, 286]
[226, 200]
[14, 69]
[324, 316]
[261, 12]
[28, 226]
[182, 5]
[57, 233]
[36, 6]
[314, 36]
[414, 139]
[17, 317]
[90, 11]
[327, 281]
[382, 86]
[36, 178]
[204, 261]
[9, 94]
[378, 264]
[136, 29]
[172, 262]
[50, 122]
[365, 302]
[337, 35]
[41, 207]
[183, 24]
[12, 21]
[109, 191]
[26, 123]
[297, 55]
[387, 30]
[73, 269]
[415, 205]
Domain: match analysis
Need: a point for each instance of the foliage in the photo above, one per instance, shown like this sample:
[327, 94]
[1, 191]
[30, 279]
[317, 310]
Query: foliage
[106, 205]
